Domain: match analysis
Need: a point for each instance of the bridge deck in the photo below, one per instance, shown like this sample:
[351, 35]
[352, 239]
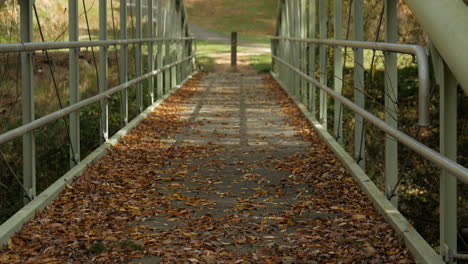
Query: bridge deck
[225, 171]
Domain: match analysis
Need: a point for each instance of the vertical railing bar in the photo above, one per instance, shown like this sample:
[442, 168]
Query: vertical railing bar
[177, 17]
[282, 43]
[159, 58]
[150, 51]
[297, 55]
[312, 56]
[338, 72]
[123, 67]
[359, 138]
[138, 60]
[74, 83]
[290, 47]
[29, 149]
[448, 147]
[303, 57]
[391, 99]
[323, 62]
[104, 136]
[182, 43]
[173, 53]
[167, 72]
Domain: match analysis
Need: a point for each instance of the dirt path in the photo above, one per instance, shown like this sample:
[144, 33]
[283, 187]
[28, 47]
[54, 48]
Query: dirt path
[202, 33]
[222, 61]
[225, 171]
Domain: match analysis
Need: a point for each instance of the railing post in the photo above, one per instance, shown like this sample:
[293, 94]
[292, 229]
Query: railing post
[150, 52]
[338, 69]
[288, 43]
[159, 56]
[303, 56]
[323, 62]
[233, 49]
[283, 44]
[297, 48]
[173, 53]
[138, 60]
[27, 84]
[74, 84]
[123, 67]
[448, 148]
[313, 50]
[167, 26]
[103, 71]
[391, 100]
[359, 99]
[179, 44]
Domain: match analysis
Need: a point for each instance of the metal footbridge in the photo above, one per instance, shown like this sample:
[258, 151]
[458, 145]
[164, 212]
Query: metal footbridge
[238, 167]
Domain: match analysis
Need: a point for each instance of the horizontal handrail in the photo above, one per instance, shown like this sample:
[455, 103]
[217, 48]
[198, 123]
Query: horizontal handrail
[35, 46]
[418, 51]
[443, 162]
[24, 129]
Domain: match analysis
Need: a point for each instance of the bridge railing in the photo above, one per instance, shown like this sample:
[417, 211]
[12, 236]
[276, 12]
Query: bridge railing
[166, 44]
[311, 84]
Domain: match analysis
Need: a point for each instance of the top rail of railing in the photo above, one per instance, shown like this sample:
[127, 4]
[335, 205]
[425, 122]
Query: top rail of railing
[418, 51]
[456, 169]
[36, 46]
[47, 119]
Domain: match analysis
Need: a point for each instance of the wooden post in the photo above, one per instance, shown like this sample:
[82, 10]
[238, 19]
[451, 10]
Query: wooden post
[234, 49]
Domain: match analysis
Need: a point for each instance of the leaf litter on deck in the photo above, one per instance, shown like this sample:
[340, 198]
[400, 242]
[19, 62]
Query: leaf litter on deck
[147, 197]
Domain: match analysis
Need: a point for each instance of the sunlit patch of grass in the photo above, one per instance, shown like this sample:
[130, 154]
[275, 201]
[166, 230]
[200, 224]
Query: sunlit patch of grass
[249, 18]
[207, 48]
[262, 62]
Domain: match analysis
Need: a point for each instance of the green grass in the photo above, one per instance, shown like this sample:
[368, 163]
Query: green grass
[207, 48]
[255, 38]
[252, 19]
[262, 63]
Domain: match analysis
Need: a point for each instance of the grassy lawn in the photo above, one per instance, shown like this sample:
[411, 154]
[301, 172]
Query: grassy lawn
[252, 19]
[262, 63]
[207, 48]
